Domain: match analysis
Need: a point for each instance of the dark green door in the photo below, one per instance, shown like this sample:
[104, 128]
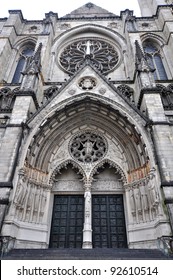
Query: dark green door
[67, 221]
[108, 221]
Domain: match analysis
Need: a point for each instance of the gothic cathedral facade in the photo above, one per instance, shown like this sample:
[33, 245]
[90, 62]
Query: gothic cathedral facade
[86, 128]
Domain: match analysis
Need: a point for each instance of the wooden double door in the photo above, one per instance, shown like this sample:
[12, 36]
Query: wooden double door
[108, 221]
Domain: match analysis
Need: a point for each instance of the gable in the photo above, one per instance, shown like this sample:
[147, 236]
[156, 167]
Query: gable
[89, 10]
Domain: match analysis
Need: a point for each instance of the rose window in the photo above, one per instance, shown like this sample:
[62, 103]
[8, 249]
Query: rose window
[101, 54]
[88, 147]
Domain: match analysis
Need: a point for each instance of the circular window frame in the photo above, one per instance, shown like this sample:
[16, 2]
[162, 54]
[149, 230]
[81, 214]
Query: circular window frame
[108, 42]
[92, 155]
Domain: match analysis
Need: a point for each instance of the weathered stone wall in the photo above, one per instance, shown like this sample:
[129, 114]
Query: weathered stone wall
[44, 119]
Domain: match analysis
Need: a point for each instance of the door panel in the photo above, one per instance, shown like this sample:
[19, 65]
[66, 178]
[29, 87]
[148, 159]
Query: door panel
[67, 222]
[108, 221]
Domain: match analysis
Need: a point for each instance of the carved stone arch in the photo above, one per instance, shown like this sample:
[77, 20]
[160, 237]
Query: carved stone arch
[72, 54]
[21, 50]
[24, 41]
[82, 29]
[64, 164]
[154, 52]
[154, 38]
[111, 164]
[41, 120]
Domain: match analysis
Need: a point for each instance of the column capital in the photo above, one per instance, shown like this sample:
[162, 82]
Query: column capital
[87, 187]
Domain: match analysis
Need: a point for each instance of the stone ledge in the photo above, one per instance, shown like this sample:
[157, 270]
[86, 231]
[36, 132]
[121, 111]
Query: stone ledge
[6, 185]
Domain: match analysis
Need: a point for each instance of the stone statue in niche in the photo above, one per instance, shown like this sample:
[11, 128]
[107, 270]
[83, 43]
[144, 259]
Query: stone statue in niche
[132, 202]
[88, 146]
[21, 192]
[144, 197]
[154, 197]
[144, 200]
[29, 201]
[137, 199]
[37, 199]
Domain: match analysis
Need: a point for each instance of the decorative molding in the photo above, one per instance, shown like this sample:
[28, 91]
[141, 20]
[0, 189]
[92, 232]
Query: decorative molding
[87, 83]
[107, 185]
[112, 164]
[64, 164]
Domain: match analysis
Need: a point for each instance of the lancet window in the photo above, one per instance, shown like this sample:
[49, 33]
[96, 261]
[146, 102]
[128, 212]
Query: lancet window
[24, 56]
[153, 55]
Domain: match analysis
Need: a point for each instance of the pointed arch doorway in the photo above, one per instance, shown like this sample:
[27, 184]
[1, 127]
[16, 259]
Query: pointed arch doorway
[108, 228]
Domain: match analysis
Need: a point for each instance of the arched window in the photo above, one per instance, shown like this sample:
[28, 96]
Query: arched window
[153, 56]
[24, 54]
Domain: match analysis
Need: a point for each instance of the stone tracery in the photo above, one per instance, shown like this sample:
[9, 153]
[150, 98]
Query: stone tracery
[102, 55]
[88, 147]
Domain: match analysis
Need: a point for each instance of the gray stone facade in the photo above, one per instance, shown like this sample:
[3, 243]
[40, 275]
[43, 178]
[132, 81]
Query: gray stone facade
[86, 108]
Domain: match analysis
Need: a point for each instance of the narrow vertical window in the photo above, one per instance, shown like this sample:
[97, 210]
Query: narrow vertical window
[27, 52]
[155, 61]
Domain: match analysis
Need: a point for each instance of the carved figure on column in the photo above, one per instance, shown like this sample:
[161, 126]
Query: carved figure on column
[154, 196]
[37, 199]
[144, 201]
[137, 198]
[132, 202]
[43, 202]
[87, 231]
[87, 197]
[144, 197]
[21, 192]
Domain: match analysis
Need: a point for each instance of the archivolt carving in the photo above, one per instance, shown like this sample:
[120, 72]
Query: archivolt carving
[111, 164]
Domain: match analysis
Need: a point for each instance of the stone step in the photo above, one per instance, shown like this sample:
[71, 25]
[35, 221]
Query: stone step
[84, 254]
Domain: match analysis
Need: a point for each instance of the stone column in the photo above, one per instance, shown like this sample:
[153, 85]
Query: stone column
[87, 231]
